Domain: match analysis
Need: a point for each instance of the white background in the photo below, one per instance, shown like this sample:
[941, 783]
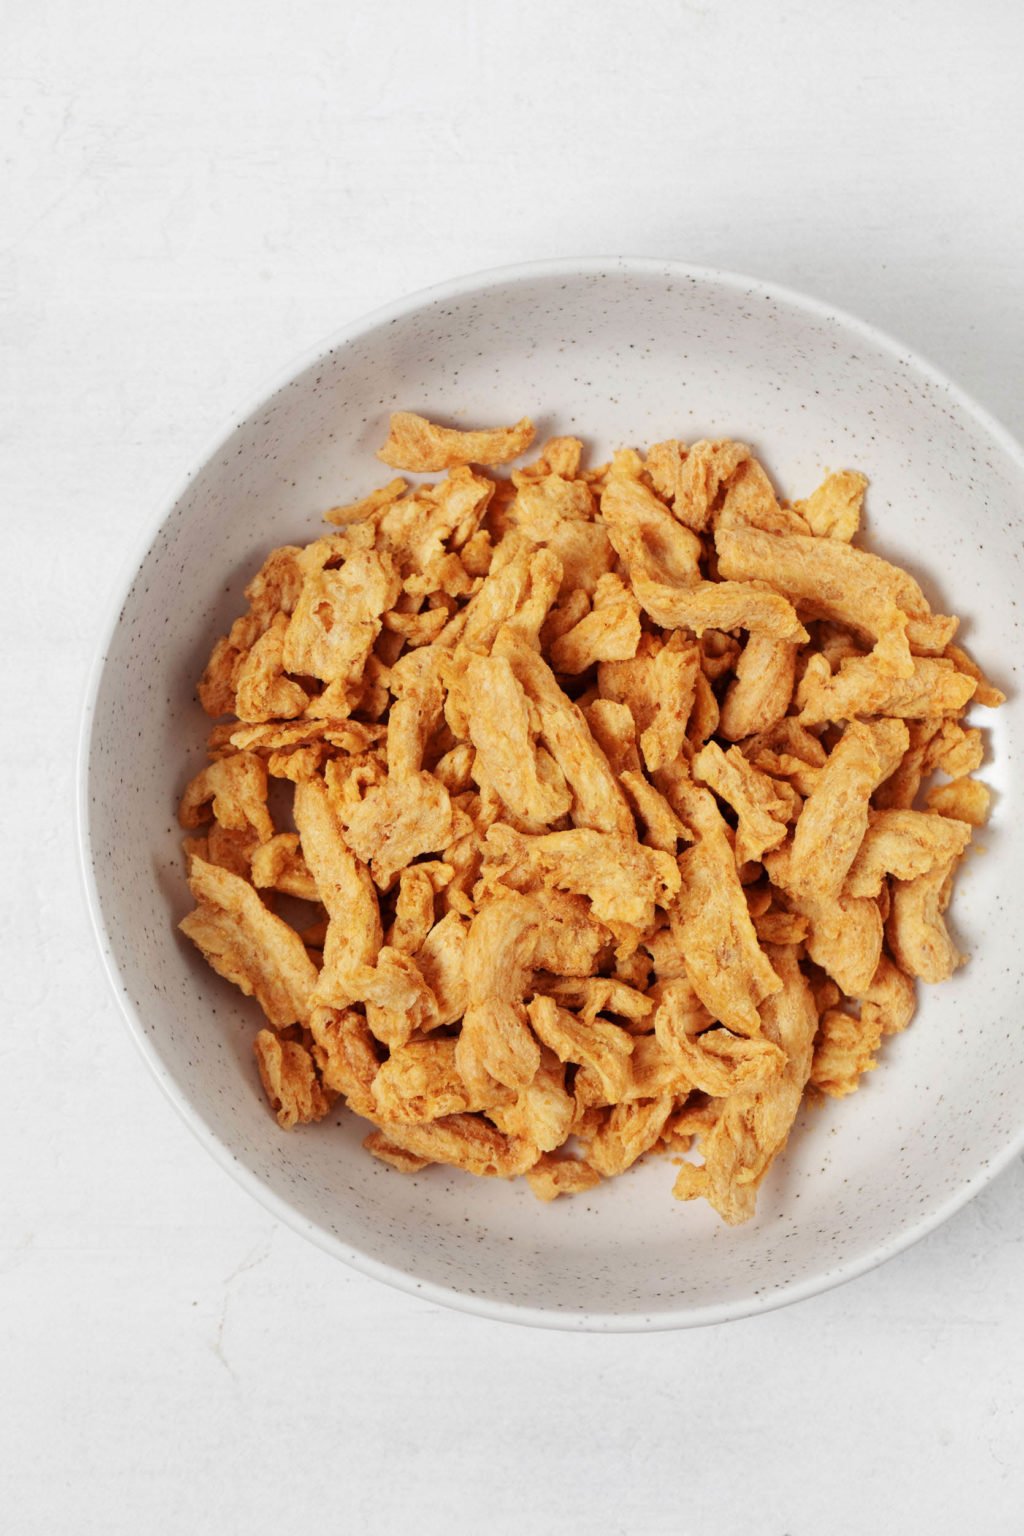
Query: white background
[192, 194]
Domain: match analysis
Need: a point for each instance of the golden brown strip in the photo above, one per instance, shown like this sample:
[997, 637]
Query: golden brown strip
[753, 1124]
[420, 445]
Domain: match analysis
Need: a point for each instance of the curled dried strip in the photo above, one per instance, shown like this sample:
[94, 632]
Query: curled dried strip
[630, 1130]
[279, 866]
[953, 749]
[397, 821]
[273, 590]
[763, 807]
[713, 1061]
[367, 506]
[233, 851]
[262, 691]
[661, 826]
[623, 880]
[844, 933]
[415, 714]
[833, 510]
[558, 514]
[659, 687]
[754, 1123]
[233, 790]
[604, 1048]
[831, 580]
[503, 728]
[654, 1072]
[963, 799]
[750, 502]
[916, 931]
[710, 918]
[414, 908]
[290, 1080]
[495, 1041]
[335, 622]
[691, 479]
[354, 932]
[249, 945]
[541, 1113]
[553, 1176]
[420, 445]
[420, 1081]
[598, 801]
[846, 1048]
[719, 605]
[609, 632]
[462, 1141]
[651, 543]
[834, 819]
[593, 995]
[763, 686]
[891, 997]
[863, 686]
[905, 844]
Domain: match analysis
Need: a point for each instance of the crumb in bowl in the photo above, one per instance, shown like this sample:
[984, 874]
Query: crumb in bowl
[613, 817]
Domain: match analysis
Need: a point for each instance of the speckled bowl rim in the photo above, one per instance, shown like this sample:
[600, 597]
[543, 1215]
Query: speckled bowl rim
[407, 1280]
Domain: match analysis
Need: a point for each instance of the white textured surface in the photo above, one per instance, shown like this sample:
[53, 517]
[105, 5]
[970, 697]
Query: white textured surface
[191, 195]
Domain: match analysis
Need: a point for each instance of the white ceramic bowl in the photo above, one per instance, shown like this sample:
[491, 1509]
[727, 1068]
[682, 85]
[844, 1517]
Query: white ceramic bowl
[620, 351]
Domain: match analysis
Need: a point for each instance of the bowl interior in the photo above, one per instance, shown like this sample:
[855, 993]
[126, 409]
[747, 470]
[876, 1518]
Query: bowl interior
[618, 353]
